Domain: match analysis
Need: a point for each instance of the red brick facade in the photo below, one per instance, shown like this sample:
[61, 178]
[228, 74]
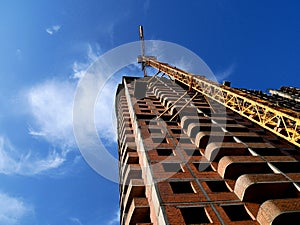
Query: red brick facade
[207, 166]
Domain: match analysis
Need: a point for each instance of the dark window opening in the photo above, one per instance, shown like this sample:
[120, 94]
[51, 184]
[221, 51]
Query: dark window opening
[236, 212]
[288, 167]
[152, 97]
[237, 129]
[268, 151]
[194, 215]
[165, 152]
[143, 106]
[176, 131]
[203, 167]
[154, 130]
[159, 140]
[156, 103]
[159, 106]
[275, 141]
[144, 116]
[133, 160]
[184, 140]
[206, 111]
[249, 125]
[172, 123]
[145, 111]
[151, 122]
[192, 152]
[181, 187]
[257, 139]
[172, 167]
[217, 186]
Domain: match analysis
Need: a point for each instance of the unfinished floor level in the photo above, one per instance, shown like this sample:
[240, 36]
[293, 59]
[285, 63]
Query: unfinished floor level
[184, 159]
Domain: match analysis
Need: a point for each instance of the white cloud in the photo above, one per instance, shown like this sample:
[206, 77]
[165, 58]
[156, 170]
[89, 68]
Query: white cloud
[50, 104]
[105, 120]
[180, 57]
[184, 64]
[116, 219]
[19, 54]
[53, 29]
[110, 30]
[221, 75]
[76, 221]
[80, 68]
[105, 112]
[13, 161]
[52, 161]
[13, 210]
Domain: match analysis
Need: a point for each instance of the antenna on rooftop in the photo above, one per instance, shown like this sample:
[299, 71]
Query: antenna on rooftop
[143, 49]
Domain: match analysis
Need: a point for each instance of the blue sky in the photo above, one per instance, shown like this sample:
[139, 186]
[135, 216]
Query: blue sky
[46, 46]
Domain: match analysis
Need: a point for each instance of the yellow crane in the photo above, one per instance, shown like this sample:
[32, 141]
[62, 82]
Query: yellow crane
[281, 121]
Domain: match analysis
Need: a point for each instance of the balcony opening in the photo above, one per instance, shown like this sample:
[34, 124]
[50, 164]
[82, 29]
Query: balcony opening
[268, 151]
[176, 131]
[172, 167]
[184, 140]
[151, 122]
[217, 186]
[236, 212]
[255, 139]
[194, 215]
[159, 140]
[145, 111]
[288, 167]
[164, 152]
[182, 187]
[203, 167]
[156, 103]
[154, 130]
[172, 123]
[192, 152]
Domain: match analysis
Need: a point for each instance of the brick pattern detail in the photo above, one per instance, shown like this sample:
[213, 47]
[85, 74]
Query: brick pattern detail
[208, 159]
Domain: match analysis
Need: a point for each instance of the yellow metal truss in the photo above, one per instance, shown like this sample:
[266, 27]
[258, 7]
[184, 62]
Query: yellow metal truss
[281, 121]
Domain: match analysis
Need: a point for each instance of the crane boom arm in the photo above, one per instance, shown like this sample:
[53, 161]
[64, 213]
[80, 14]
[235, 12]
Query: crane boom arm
[281, 121]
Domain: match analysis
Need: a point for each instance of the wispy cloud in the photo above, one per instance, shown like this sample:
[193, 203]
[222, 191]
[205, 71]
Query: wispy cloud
[179, 57]
[53, 29]
[221, 75]
[105, 109]
[76, 221]
[19, 54]
[14, 161]
[184, 64]
[50, 104]
[13, 210]
[110, 31]
[80, 68]
[116, 219]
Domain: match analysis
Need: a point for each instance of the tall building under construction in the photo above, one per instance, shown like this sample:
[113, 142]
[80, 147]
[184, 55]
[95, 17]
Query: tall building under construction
[192, 151]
